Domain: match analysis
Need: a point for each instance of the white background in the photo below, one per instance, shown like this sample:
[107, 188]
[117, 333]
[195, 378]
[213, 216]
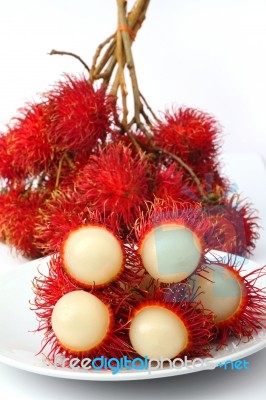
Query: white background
[208, 54]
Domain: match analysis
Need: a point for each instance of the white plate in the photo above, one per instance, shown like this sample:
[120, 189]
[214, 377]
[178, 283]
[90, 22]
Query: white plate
[18, 345]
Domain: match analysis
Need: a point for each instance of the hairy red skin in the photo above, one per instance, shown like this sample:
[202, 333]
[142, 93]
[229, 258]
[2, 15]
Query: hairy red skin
[235, 226]
[18, 213]
[6, 169]
[62, 212]
[115, 181]
[50, 287]
[28, 146]
[189, 133]
[83, 115]
[250, 317]
[169, 182]
[181, 301]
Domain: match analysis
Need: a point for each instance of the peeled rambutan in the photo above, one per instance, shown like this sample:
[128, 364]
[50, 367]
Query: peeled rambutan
[18, 214]
[235, 226]
[165, 326]
[170, 239]
[93, 255]
[238, 304]
[190, 134]
[83, 115]
[115, 181]
[102, 320]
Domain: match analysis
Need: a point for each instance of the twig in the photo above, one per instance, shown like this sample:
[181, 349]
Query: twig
[97, 54]
[59, 171]
[148, 107]
[67, 53]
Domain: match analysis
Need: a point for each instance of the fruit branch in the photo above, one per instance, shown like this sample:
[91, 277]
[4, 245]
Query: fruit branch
[67, 53]
[110, 62]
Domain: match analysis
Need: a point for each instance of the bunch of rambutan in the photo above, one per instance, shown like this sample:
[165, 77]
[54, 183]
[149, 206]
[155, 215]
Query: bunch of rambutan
[65, 157]
[154, 295]
[128, 220]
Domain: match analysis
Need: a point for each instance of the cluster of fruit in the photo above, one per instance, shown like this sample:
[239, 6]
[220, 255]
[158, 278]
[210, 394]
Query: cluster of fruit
[155, 295]
[67, 157]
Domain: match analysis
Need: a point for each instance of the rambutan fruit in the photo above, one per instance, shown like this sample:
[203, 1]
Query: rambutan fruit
[169, 182]
[239, 306]
[18, 215]
[115, 181]
[6, 169]
[28, 146]
[189, 133]
[80, 321]
[170, 239]
[235, 226]
[83, 115]
[162, 328]
[93, 255]
[76, 333]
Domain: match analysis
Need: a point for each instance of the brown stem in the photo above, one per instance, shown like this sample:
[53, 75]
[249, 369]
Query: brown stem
[122, 21]
[117, 51]
[59, 171]
[67, 53]
[135, 19]
[97, 54]
[148, 107]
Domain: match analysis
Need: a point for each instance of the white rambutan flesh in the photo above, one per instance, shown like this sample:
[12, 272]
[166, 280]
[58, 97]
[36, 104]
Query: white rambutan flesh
[157, 332]
[80, 321]
[170, 252]
[220, 292]
[92, 255]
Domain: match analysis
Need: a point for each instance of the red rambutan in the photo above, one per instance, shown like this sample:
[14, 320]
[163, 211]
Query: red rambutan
[27, 141]
[115, 181]
[235, 226]
[83, 115]
[6, 169]
[169, 182]
[18, 215]
[190, 134]
[102, 320]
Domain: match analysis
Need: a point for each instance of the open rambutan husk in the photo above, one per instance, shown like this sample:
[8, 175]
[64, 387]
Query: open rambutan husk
[249, 316]
[52, 286]
[115, 180]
